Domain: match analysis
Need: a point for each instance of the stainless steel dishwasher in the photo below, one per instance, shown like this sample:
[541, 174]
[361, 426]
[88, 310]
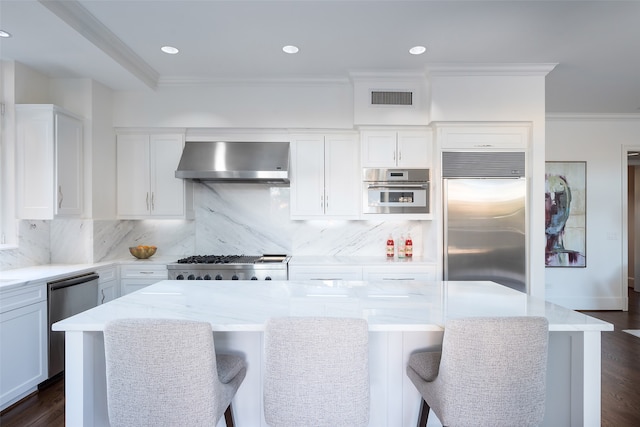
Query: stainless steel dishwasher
[68, 296]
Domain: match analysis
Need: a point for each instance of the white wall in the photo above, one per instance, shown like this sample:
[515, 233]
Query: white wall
[598, 141]
[323, 105]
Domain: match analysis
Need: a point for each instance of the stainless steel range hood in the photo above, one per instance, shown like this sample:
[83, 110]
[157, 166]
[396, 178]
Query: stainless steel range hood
[220, 161]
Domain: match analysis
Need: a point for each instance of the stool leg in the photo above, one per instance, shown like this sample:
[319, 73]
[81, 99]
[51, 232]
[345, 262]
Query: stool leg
[228, 416]
[424, 414]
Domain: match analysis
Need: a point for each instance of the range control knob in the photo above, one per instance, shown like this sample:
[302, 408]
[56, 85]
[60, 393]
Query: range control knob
[198, 278]
[191, 277]
[267, 278]
[218, 277]
[254, 278]
[180, 277]
[234, 277]
[207, 277]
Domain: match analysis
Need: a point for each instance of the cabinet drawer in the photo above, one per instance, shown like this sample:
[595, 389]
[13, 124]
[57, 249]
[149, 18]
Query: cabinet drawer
[142, 272]
[326, 273]
[20, 297]
[107, 274]
[399, 273]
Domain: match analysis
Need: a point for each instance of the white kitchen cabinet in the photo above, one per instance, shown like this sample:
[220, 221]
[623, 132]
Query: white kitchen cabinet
[325, 180]
[23, 342]
[325, 272]
[137, 276]
[396, 148]
[147, 186]
[108, 285]
[49, 165]
[399, 272]
[490, 136]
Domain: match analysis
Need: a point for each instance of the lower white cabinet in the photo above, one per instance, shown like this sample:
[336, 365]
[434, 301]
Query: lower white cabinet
[136, 277]
[108, 285]
[23, 342]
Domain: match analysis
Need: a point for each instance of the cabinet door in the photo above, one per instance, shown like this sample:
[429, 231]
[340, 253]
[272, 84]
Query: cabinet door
[35, 163]
[69, 170]
[414, 149]
[342, 179]
[134, 195]
[107, 291]
[167, 191]
[379, 149]
[307, 177]
[23, 351]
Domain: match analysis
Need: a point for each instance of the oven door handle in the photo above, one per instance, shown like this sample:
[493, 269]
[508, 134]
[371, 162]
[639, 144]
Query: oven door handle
[416, 186]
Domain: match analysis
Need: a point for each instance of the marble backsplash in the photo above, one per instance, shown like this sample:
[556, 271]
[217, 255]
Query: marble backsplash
[229, 219]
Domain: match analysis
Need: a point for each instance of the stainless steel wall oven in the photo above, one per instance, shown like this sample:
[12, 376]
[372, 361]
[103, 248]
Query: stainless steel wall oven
[395, 191]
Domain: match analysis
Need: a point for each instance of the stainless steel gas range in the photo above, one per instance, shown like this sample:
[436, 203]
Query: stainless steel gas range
[230, 267]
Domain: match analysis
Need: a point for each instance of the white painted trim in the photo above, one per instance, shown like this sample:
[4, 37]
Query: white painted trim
[625, 222]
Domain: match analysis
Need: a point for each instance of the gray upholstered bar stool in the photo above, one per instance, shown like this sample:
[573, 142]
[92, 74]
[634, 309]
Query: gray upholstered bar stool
[491, 372]
[316, 372]
[164, 372]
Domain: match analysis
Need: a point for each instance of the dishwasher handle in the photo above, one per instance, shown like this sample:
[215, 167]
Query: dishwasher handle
[72, 281]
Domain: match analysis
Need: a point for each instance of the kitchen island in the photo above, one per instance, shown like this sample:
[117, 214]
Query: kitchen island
[403, 318]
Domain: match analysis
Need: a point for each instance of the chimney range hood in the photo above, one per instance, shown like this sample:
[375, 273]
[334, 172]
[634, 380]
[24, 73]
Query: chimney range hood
[242, 162]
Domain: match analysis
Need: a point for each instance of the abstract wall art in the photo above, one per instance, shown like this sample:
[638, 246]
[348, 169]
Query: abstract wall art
[565, 214]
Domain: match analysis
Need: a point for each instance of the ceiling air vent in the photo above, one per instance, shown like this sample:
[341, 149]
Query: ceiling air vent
[391, 98]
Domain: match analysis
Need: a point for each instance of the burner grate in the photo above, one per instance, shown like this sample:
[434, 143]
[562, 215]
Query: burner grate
[219, 259]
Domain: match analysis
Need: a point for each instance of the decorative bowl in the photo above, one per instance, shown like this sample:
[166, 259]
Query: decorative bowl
[142, 251]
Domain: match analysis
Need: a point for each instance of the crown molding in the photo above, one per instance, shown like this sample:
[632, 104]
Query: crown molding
[550, 117]
[490, 69]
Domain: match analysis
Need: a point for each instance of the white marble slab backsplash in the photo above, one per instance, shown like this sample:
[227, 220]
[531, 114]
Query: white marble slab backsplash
[112, 239]
[33, 246]
[229, 219]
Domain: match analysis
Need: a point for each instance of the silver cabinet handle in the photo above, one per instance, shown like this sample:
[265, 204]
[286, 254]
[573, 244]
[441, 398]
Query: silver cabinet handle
[321, 201]
[147, 200]
[103, 297]
[60, 196]
[153, 203]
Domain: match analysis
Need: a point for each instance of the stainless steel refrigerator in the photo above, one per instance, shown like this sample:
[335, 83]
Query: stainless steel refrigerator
[485, 217]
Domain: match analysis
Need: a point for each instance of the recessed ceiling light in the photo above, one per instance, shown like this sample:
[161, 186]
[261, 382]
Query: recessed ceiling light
[290, 49]
[417, 50]
[4, 34]
[169, 49]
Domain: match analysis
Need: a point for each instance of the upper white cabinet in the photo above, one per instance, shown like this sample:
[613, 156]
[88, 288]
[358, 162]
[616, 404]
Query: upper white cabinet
[396, 148]
[324, 176]
[490, 136]
[49, 162]
[147, 186]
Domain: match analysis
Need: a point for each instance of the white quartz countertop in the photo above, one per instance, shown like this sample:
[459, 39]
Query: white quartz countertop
[246, 305]
[307, 260]
[11, 279]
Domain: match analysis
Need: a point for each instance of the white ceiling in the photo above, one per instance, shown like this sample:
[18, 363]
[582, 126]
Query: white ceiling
[595, 44]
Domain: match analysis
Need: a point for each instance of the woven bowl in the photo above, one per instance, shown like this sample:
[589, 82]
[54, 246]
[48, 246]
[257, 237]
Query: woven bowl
[142, 251]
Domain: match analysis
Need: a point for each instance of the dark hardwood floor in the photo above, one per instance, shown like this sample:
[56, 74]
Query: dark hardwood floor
[620, 379]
